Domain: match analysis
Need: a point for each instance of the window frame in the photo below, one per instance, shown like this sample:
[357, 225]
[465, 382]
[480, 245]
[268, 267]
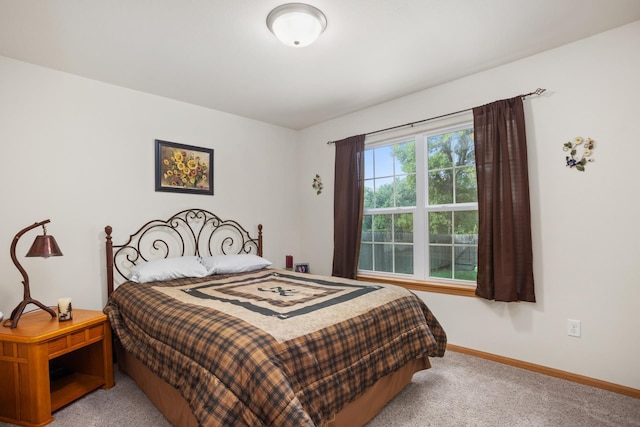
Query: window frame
[420, 279]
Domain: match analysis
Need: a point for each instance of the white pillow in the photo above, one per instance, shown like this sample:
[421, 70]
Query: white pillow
[235, 263]
[167, 268]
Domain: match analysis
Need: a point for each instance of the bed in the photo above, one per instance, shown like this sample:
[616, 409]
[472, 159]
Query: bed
[244, 343]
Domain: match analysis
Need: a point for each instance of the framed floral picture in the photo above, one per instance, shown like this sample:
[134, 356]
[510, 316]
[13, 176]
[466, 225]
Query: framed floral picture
[183, 168]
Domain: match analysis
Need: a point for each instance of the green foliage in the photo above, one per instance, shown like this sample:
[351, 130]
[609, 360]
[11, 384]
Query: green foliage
[401, 190]
[460, 275]
[406, 155]
[451, 160]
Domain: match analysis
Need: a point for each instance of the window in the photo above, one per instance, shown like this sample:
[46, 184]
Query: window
[420, 207]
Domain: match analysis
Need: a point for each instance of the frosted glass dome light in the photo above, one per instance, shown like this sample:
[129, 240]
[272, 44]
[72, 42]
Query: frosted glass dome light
[296, 24]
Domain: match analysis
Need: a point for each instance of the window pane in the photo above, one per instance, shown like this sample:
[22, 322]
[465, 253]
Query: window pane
[382, 231]
[367, 230]
[466, 245]
[383, 257]
[366, 257]
[466, 185]
[440, 227]
[440, 261]
[405, 157]
[466, 227]
[440, 187]
[383, 162]
[463, 149]
[384, 193]
[404, 259]
[369, 194]
[403, 224]
[368, 164]
[390, 179]
[406, 191]
[466, 261]
[439, 152]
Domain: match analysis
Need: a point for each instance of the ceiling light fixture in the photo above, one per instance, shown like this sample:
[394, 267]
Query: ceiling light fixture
[296, 24]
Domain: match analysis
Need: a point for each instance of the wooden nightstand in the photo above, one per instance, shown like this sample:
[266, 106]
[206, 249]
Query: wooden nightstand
[46, 364]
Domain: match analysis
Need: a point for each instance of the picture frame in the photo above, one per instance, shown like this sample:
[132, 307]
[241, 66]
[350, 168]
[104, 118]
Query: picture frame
[302, 267]
[182, 168]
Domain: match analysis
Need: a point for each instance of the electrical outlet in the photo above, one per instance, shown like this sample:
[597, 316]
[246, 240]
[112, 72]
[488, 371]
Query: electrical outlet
[573, 328]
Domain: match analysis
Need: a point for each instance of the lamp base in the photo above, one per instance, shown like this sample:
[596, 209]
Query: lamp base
[17, 312]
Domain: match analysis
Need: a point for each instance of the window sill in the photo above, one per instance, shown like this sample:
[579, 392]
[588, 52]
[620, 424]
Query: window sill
[417, 285]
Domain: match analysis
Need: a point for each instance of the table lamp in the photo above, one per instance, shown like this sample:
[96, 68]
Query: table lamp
[43, 246]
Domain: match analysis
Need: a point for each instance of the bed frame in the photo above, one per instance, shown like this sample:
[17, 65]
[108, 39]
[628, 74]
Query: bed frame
[200, 232]
[188, 232]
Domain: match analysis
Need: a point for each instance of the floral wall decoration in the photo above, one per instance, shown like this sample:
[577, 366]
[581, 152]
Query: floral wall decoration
[317, 184]
[579, 160]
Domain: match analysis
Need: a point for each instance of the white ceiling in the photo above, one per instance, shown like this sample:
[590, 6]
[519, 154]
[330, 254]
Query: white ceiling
[220, 54]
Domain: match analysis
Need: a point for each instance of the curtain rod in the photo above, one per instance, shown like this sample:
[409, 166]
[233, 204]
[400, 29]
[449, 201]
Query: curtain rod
[538, 91]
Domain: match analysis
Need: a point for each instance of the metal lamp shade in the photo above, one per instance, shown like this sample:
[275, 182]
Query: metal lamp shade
[44, 246]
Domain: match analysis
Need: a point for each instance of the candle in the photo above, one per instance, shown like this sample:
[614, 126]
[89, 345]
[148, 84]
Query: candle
[289, 263]
[64, 309]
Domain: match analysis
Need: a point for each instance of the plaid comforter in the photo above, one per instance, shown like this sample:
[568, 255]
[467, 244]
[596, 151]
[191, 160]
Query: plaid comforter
[272, 347]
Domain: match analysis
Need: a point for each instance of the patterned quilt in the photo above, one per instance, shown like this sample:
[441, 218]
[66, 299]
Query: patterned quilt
[272, 347]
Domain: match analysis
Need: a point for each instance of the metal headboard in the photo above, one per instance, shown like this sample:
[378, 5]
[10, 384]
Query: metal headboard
[189, 232]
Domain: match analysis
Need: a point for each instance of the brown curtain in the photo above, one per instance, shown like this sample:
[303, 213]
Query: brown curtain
[348, 206]
[505, 255]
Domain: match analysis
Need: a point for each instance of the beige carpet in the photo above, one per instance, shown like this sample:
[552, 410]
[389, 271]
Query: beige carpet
[459, 390]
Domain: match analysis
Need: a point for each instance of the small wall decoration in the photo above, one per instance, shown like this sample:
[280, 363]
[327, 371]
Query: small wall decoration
[317, 184]
[575, 160]
[183, 168]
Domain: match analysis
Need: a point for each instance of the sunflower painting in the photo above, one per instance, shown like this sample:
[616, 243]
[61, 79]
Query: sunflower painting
[183, 168]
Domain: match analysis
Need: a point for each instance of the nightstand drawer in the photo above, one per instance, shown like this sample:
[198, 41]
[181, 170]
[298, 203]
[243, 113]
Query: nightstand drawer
[95, 332]
[74, 340]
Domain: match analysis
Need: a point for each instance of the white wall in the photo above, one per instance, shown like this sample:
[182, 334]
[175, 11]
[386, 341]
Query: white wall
[81, 153]
[585, 225]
